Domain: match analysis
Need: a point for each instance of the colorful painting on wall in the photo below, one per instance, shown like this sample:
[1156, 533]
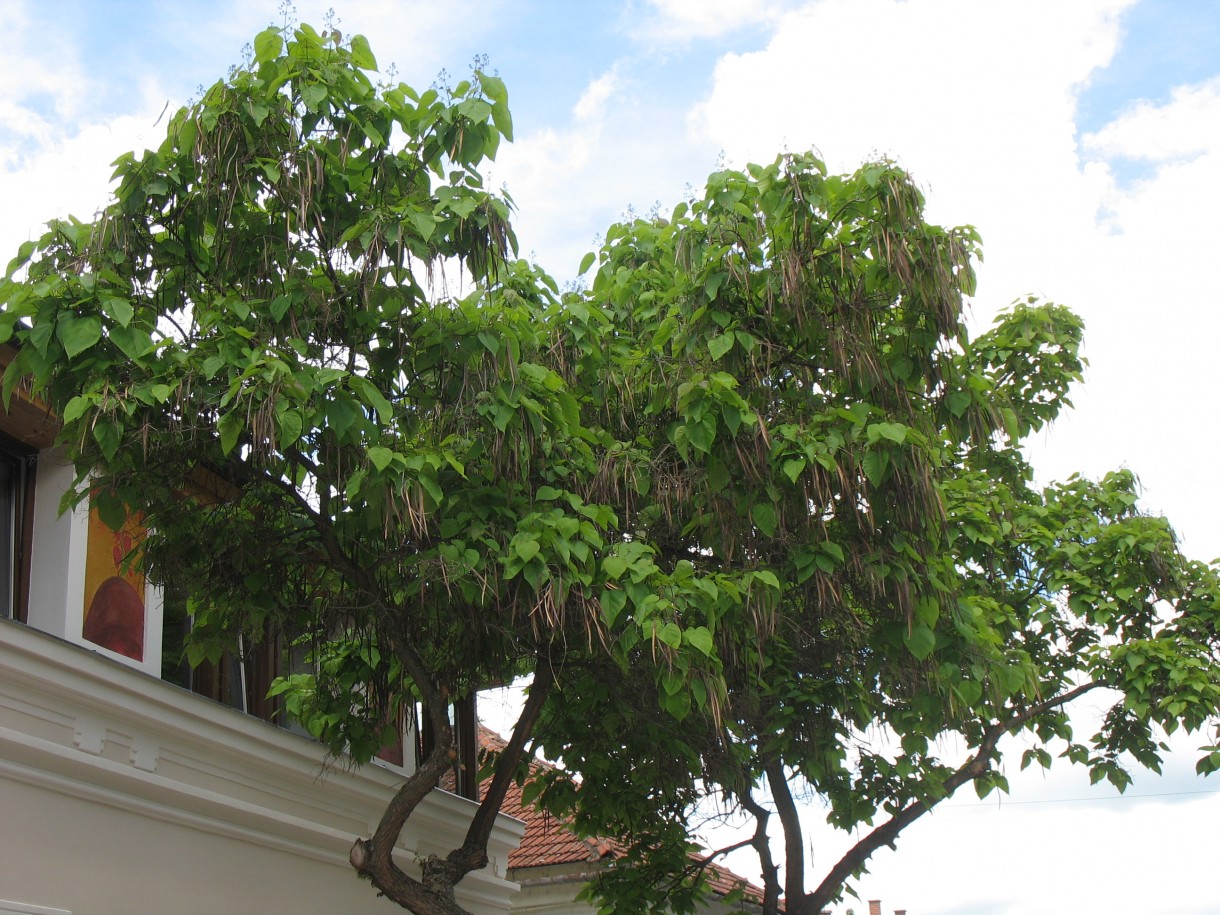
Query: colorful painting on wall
[114, 588]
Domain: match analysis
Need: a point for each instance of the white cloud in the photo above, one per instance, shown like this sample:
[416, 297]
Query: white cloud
[684, 20]
[418, 36]
[38, 66]
[592, 103]
[71, 177]
[1189, 124]
[621, 148]
[40, 89]
[55, 152]
[1053, 830]
[540, 171]
[962, 92]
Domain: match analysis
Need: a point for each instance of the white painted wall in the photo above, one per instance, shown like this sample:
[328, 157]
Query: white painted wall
[121, 795]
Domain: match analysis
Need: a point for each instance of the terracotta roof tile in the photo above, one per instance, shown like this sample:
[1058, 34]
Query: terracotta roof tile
[550, 841]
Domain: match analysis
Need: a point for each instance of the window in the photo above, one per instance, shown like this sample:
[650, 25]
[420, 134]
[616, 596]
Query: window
[464, 716]
[239, 679]
[16, 526]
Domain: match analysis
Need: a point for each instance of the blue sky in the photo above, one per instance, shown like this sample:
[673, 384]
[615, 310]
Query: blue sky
[1163, 44]
[1082, 138]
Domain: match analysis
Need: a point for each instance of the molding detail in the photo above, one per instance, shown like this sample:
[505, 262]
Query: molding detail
[22, 908]
[86, 727]
[90, 736]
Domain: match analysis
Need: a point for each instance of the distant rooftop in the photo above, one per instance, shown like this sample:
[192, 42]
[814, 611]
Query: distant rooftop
[550, 841]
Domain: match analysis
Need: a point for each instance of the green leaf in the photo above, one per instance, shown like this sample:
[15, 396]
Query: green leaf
[108, 434]
[672, 682]
[432, 487]
[503, 119]
[41, 336]
[1209, 763]
[313, 96]
[362, 54]
[958, 401]
[526, 548]
[677, 704]
[670, 634]
[493, 87]
[794, 468]
[894, 432]
[24, 250]
[875, 464]
[134, 342]
[585, 263]
[118, 308]
[612, 603]
[764, 518]
[969, 691]
[230, 428]
[920, 641]
[720, 345]
[268, 44]
[341, 415]
[700, 638]
[833, 549]
[370, 395]
[490, 342]
[381, 457]
[78, 334]
[77, 407]
[768, 578]
[110, 509]
[425, 223]
[698, 692]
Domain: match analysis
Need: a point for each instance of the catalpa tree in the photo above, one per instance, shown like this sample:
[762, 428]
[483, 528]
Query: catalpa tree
[751, 493]
[837, 482]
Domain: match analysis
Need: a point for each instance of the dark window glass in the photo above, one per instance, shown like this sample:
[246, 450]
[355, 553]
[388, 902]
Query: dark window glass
[9, 496]
[16, 526]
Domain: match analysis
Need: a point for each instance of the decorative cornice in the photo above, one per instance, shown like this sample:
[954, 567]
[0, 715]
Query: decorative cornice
[83, 725]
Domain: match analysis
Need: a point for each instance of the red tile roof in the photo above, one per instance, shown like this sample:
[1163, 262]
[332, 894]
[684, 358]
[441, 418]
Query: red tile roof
[549, 840]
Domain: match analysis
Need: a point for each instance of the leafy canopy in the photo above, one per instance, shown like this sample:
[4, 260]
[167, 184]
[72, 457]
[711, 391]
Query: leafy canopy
[837, 474]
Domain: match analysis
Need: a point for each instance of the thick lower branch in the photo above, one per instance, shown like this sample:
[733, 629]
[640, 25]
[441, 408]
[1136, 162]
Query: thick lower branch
[434, 892]
[887, 833]
[473, 853]
[794, 842]
[374, 858]
[762, 845]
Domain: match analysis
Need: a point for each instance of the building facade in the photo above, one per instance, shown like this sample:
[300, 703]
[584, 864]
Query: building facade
[128, 785]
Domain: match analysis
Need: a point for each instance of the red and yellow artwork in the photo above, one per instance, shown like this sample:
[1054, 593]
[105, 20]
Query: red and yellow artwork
[114, 587]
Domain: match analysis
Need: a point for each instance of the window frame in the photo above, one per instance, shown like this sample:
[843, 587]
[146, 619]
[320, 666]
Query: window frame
[23, 460]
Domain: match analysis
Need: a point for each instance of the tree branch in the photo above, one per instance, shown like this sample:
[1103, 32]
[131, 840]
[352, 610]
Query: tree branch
[794, 841]
[762, 845]
[473, 853]
[374, 858]
[887, 833]
[414, 664]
